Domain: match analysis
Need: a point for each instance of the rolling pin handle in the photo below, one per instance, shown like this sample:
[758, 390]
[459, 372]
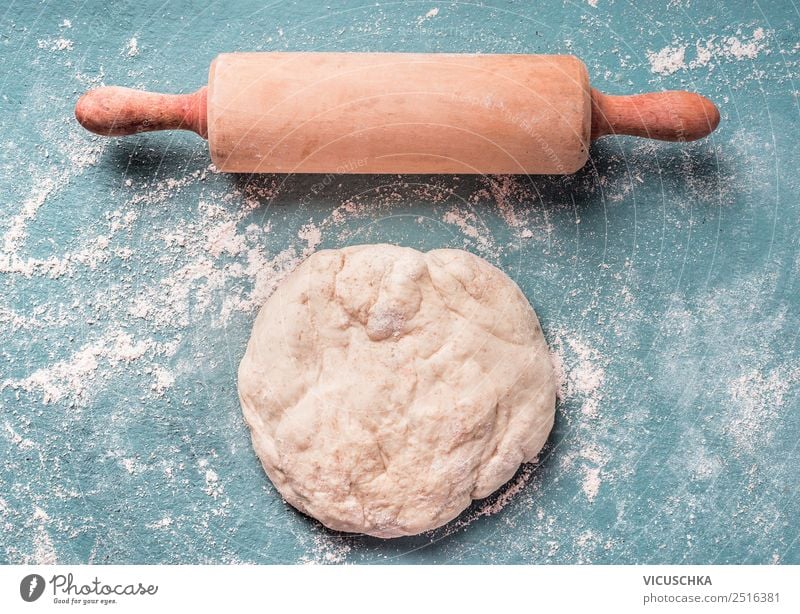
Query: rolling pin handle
[666, 116]
[121, 111]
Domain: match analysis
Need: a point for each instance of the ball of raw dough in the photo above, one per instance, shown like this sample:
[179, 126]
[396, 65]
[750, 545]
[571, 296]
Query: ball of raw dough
[386, 388]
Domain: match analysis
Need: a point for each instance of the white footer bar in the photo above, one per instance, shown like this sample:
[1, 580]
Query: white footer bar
[400, 589]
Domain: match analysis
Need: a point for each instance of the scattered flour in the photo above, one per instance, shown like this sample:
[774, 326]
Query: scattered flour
[735, 48]
[132, 48]
[130, 465]
[326, 549]
[17, 439]
[213, 488]
[164, 380]
[585, 377]
[590, 461]
[593, 458]
[672, 58]
[223, 239]
[475, 229]
[311, 235]
[667, 61]
[164, 523]
[580, 371]
[55, 44]
[17, 231]
[591, 482]
[44, 550]
[755, 395]
[464, 220]
[40, 514]
[427, 16]
[71, 377]
[503, 189]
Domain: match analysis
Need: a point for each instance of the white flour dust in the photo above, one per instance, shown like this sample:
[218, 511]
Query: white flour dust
[583, 380]
[44, 551]
[708, 52]
[668, 60]
[756, 397]
[427, 16]
[56, 44]
[72, 377]
[325, 549]
[132, 48]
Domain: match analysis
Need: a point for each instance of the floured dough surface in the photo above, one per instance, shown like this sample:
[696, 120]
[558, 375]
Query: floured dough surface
[386, 388]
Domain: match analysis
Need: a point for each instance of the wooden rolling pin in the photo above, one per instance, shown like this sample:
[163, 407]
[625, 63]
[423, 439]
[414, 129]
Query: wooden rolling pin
[398, 113]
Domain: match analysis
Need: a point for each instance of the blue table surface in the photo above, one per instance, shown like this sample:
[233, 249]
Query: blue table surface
[665, 277]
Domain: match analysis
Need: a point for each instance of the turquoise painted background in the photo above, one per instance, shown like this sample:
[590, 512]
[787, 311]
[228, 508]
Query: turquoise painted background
[665, 276]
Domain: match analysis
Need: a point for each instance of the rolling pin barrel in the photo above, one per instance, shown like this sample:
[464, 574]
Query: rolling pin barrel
[399, 113]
